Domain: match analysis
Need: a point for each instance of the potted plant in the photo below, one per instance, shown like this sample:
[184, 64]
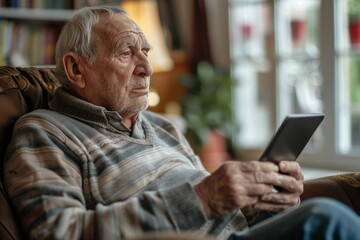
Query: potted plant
[355, 81]
[207, 108]
[354, 23]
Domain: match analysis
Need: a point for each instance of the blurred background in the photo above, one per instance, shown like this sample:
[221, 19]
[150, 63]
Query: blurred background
[228, 72]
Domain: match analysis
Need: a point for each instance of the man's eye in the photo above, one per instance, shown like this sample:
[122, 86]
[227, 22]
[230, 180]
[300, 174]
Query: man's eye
[146, 52]
[126, 54]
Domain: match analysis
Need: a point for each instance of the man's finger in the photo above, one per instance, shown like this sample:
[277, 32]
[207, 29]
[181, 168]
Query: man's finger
[271, 207]
[280, 198]
[291, 168]
[256, 166]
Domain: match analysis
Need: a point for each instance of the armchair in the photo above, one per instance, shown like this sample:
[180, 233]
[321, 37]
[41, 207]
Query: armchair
[25, 89]
[21, 90]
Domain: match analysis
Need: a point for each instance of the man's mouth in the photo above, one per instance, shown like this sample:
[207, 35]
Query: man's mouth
[140, 87]
[140, 90]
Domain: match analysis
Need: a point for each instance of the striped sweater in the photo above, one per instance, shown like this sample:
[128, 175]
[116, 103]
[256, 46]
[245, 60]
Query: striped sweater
[76, 172]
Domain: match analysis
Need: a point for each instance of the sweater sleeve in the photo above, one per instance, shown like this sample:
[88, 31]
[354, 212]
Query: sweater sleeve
[44, 180]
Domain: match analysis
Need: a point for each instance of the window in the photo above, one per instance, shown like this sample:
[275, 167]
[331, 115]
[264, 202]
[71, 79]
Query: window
[298, 56]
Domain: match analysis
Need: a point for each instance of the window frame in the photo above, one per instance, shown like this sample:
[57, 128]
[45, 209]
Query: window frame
[329, 156]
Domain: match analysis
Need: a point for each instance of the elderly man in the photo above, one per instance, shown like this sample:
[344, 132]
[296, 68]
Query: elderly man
[98, 166]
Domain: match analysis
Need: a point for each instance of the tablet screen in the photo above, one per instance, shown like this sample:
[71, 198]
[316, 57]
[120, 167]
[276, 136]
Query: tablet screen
[291, 137]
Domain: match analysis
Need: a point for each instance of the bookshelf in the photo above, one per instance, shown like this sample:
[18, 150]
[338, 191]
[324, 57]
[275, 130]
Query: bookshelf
[29, 30]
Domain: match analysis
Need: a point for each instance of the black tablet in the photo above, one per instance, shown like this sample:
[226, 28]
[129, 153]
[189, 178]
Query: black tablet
[291, 137]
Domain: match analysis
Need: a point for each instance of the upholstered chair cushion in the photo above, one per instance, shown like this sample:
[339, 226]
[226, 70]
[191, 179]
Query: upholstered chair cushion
[21, 90]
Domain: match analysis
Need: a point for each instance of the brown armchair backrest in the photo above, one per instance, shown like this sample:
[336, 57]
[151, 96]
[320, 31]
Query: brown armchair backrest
[21, 90]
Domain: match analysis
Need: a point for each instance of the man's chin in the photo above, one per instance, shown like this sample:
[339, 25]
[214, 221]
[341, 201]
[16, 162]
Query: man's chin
[138, 109]
[144, 108]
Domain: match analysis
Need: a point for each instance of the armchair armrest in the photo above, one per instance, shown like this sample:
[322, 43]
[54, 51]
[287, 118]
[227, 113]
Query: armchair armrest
[342, 187]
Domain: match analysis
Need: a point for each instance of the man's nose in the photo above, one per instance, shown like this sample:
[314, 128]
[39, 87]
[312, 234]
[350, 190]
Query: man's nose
[143, 66]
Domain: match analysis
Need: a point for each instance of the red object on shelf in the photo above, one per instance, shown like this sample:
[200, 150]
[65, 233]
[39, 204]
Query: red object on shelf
[246, 31]
[354, 31]
[298, 31]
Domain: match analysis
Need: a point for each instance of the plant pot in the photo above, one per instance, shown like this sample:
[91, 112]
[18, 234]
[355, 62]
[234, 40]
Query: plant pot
[354, 32]
[214, 151]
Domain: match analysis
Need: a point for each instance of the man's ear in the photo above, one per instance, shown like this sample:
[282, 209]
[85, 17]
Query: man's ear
[73, 71]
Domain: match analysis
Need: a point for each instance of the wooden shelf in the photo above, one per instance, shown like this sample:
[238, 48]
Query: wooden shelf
[28, 35]
[22, 14]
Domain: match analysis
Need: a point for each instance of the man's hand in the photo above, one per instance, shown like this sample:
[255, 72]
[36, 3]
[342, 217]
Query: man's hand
[238, 184]
[291, 181]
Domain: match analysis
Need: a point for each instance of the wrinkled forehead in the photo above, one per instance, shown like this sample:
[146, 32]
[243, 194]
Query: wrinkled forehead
[119, 28]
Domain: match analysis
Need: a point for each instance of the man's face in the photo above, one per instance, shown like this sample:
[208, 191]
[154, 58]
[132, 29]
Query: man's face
[119, 78]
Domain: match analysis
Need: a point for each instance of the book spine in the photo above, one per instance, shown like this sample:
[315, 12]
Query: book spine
[3, 24]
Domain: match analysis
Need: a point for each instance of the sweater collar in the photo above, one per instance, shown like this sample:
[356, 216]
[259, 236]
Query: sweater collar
[74, 107]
